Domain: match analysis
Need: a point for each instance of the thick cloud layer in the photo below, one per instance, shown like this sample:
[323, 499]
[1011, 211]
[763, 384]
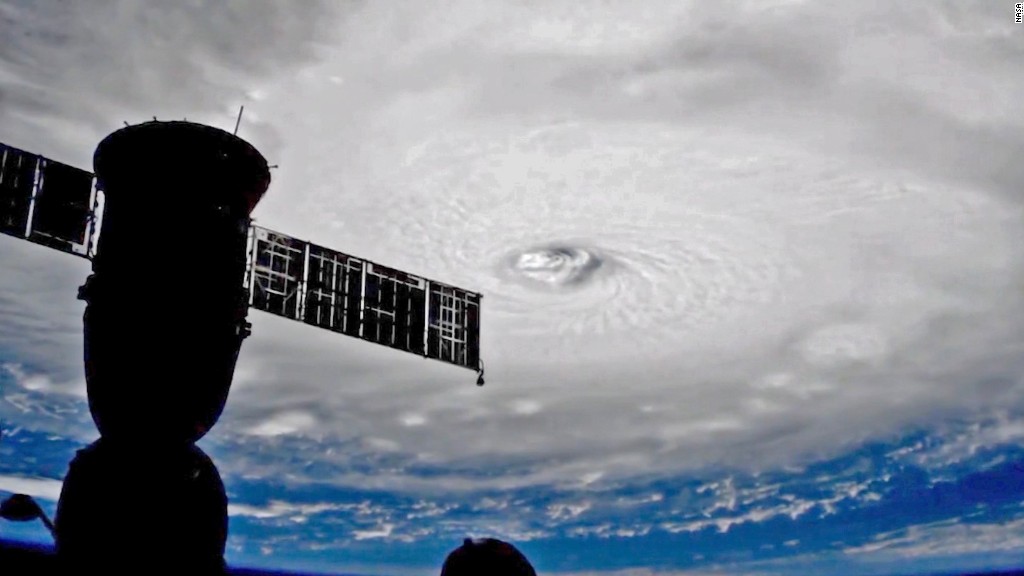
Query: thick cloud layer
[811, 218]
[807, 215]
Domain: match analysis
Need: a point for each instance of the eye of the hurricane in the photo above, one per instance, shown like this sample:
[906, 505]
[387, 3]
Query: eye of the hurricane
[555, 265]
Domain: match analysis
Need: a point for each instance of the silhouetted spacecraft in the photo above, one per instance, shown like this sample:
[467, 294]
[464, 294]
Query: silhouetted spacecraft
[103, 217]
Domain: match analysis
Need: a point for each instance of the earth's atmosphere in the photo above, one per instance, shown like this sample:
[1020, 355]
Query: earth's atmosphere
[752, 275]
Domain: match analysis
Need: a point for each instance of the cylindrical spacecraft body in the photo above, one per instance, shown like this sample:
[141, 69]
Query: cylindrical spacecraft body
[166, 303]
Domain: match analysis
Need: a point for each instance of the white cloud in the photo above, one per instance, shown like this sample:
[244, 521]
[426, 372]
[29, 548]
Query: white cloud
[724, 523]
[424, 509]
[526, 407]
[42, 383]
[1001, 429]
[765, 502]
[382, 531]
[33, 382]
[412, 420]
[284, 423]
[45, 488]
[272, 510]
[566, 511]
[655, 572]
[300, 511]
[946, 538]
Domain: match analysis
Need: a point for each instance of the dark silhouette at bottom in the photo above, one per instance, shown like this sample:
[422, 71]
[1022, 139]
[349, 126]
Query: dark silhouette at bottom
[121, 507]
[488, 556]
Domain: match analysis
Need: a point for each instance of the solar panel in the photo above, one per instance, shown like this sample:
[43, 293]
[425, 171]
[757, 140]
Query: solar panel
[453, 333]
[334, 287]
[62, 211]
[278, 273]
[354, 296]
[17, 186]
[393, 312]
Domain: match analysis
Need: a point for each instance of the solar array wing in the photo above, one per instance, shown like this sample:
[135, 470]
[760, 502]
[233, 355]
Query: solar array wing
[360, 298]
[46, 202]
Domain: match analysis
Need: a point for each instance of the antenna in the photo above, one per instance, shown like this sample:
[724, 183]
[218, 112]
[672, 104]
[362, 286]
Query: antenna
[239, 121]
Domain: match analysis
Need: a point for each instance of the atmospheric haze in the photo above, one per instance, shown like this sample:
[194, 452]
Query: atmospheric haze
[738, 237]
